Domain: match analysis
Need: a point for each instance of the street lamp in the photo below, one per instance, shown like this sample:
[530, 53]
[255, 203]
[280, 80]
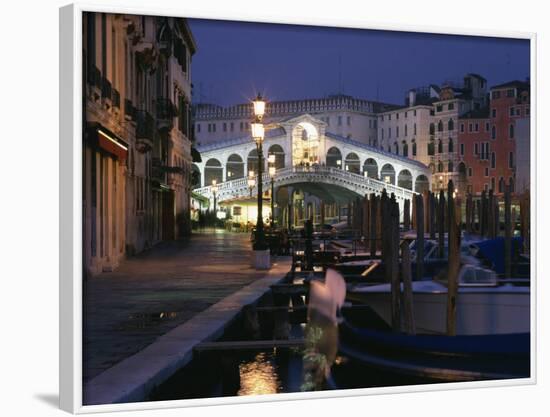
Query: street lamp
[258, 134]
[272, 172]
[214, 191]
[251, 181]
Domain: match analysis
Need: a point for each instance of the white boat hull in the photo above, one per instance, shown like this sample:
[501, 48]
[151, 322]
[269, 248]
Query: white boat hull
[480, 310]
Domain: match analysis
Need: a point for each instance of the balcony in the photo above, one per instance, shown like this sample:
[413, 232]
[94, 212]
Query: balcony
[116, 98]
[145, 130]
[166, 111]
[106, 89]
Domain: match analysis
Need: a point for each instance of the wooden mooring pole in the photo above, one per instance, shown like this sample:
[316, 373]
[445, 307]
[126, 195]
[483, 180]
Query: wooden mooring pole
[419, 237]
[441, 224]
[393, 262]
[508, 232]
[454, 261]
[407, 288]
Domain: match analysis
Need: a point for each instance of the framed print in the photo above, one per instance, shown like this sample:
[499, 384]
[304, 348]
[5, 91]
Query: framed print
[272, 210]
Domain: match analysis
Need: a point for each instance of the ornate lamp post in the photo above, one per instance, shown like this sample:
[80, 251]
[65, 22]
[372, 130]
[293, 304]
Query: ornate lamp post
[251, 181]
[214, 191]
[261, 251]
[272, 172]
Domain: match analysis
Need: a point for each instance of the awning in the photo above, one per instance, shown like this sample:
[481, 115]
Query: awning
[103, 138]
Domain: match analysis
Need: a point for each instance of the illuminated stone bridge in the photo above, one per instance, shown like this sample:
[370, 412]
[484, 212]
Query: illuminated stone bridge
[308, 159]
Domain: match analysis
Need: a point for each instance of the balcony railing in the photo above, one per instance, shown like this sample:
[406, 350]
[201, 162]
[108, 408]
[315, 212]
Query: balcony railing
[106, 89]
[145, 128]
[165, 109]
[116, 98]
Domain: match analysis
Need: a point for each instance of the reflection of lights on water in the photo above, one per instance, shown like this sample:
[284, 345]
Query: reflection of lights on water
[258, 377]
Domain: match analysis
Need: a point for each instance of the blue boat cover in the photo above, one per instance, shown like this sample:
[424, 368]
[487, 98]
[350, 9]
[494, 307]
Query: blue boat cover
[493, 250]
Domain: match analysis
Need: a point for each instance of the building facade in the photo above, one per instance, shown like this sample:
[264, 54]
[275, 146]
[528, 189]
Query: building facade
[344, 115]
[495, 141]
[137, 134]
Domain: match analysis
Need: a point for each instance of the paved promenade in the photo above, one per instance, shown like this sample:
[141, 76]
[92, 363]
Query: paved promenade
[149, 295]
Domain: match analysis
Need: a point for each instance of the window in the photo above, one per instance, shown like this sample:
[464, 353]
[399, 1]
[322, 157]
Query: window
[432, 128]
[493, 113]
[511, 131]
[439, 108]
[231, 126]
[439, 146]
[470, 127]
[486, 171]
[451, 147]
[493, 160]
[476, 127]
[487, 127]
[476, 148]
[339, 120]
[406, 114]
[414, 129]
[406, 130]
[451, 106]
[470, 171]
[451, 125]
[461, 127]
[397, 116]
[405, 150]
[511, 160]
[349, 120]
[440, 126]
[397, 131]
[431, 148]
[485, 187]
[396, 145]
[389, 116]
[451, 166]
[496, 95]
[198, 128]
[414, 148]
[518, 111]
[493, 183]
[512, 111]
[493, 132]
[414, 113]
[224, 127]
[462, 149]
[510, 92]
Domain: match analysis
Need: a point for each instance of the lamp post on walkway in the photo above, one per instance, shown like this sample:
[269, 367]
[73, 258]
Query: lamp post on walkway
[272, 172]
[261, 251]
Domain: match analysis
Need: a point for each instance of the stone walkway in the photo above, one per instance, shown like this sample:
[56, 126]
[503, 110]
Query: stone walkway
[147, 296]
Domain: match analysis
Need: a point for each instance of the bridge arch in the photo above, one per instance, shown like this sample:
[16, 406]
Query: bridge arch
[421, 184]
[370, 167]
[353, 163]
[235, 167]
[305, 144]
[405, 179]
[279, 153]
[388, 174]
[334, 157]
[213, 170]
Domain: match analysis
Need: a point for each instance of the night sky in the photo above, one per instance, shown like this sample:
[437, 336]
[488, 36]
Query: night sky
[236, 59]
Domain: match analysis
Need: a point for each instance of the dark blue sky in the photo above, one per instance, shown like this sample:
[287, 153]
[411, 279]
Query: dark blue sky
[236, 59]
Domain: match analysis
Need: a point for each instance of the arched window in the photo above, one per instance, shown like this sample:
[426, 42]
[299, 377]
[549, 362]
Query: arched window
[432, 129]
[450, 166]
[451, 124]
[501, 185]
[493, 132]
[414, 148]
[451, 147]
[405, 149]
[431, 148]
[440, 126]
[439, 146]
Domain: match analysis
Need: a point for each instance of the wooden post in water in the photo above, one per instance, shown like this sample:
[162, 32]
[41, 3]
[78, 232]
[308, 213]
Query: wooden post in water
[385, 232]
[322, 210]
[349, 214]
[432, 218]
[407, 215]
[393, 264]
[406, 275]
[366, 221]
[496, 223]
[379, 229]
[454, 262]
[491, 214]
[413, 220]
[479, 214]
[419, 237]
[441, 224]
[483, 218]
[426, 206]
[469, 212]
[373, 224]
[508, 232]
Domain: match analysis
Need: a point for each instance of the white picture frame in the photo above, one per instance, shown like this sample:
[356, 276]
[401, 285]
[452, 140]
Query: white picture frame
[70, 261]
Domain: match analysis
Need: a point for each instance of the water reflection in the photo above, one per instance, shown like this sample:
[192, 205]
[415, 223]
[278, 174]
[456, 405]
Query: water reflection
[259, 376]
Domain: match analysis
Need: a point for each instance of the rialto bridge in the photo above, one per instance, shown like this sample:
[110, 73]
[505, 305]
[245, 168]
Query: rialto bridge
[313, 168]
